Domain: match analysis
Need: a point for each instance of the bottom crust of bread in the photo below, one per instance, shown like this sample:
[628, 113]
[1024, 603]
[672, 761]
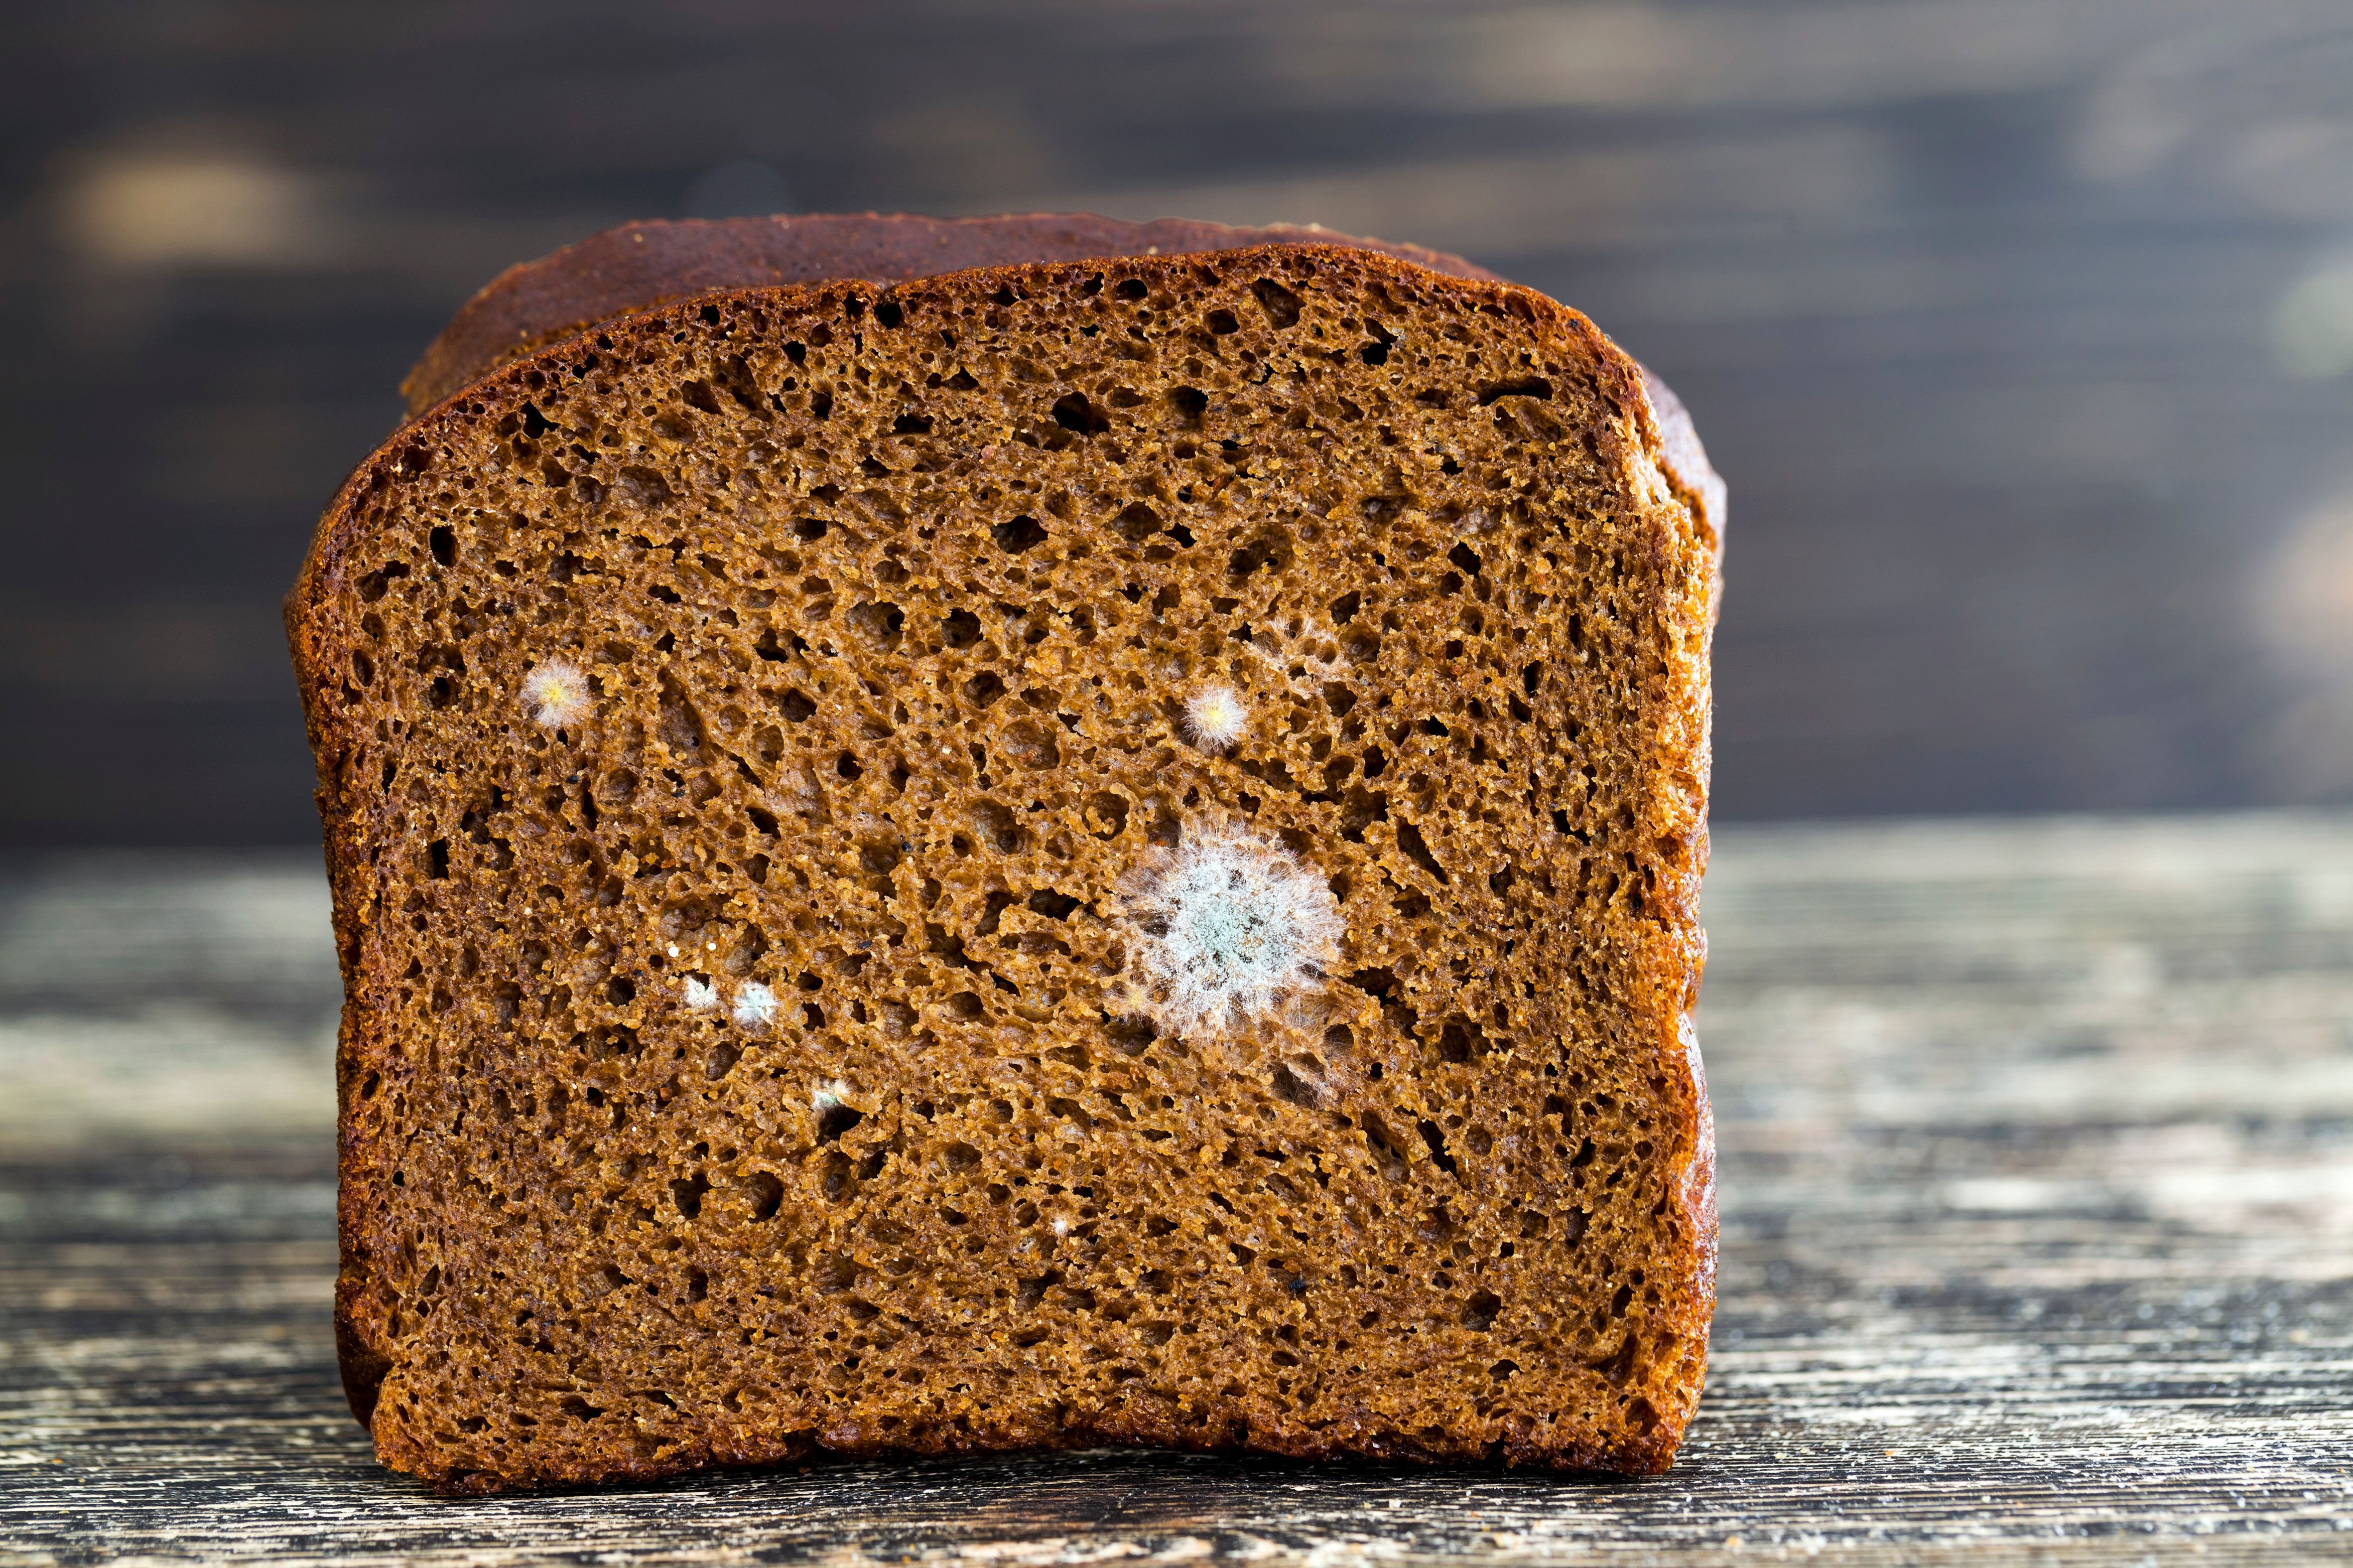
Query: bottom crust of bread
[1366, 1443]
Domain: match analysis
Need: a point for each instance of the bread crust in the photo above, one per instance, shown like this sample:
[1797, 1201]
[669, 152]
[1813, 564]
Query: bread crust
[1671, 964]
[638, 266]
[533, 305]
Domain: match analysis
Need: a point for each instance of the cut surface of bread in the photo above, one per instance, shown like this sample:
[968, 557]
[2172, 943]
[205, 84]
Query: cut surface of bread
[630, 268]
[1094, 852]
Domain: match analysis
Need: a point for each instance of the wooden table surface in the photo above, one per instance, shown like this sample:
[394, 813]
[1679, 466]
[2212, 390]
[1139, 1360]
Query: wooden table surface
[2038, 1246]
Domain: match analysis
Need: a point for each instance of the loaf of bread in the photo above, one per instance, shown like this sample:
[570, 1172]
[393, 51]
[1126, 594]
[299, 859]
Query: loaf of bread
[957, 836]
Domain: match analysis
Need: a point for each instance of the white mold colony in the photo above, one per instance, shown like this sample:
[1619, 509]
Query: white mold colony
[1230, 926]
[1216, 715]
[555, 694]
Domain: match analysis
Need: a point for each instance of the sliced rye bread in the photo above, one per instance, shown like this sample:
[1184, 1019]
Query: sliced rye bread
[638, 266]
[1070, 853]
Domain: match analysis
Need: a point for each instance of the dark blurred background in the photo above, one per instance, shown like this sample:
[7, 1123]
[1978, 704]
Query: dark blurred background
[2023, 329]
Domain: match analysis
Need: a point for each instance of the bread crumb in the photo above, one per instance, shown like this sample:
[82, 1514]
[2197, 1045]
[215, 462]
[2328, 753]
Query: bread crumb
[554, 694]
[756, 1004]
[1230, 926]
[1216, 715]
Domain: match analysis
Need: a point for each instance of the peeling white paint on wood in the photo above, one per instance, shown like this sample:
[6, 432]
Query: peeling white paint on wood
[2038, 1187]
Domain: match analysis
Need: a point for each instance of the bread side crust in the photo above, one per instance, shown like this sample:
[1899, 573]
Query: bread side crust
[1669, 964]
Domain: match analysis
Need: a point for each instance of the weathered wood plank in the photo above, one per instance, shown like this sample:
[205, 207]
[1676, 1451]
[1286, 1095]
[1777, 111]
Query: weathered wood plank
[2038, 1179]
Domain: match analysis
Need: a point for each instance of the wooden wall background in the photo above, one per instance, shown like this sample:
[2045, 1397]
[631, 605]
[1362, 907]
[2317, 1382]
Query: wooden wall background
[2020, 327]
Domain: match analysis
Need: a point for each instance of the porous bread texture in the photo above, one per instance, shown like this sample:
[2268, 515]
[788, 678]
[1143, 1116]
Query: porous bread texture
[759, 1056]
[636, 266]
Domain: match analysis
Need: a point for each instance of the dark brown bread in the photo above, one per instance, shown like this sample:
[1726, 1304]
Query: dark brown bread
[639, 265]
[786, 757]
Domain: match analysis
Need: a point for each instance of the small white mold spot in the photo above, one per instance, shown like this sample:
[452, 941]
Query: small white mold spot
[755, 1006]
[829, 1095]
[1062, 1228]
[701, 996]
[1130, 997]
[555, 694]
[674, 949]
[1216, 715]
[1310, 654]
[1229, 927]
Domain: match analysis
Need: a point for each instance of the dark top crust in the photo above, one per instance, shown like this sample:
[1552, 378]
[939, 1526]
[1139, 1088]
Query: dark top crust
[638, 266]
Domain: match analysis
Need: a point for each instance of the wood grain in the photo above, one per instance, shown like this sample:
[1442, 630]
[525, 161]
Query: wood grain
[2037, 1181]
